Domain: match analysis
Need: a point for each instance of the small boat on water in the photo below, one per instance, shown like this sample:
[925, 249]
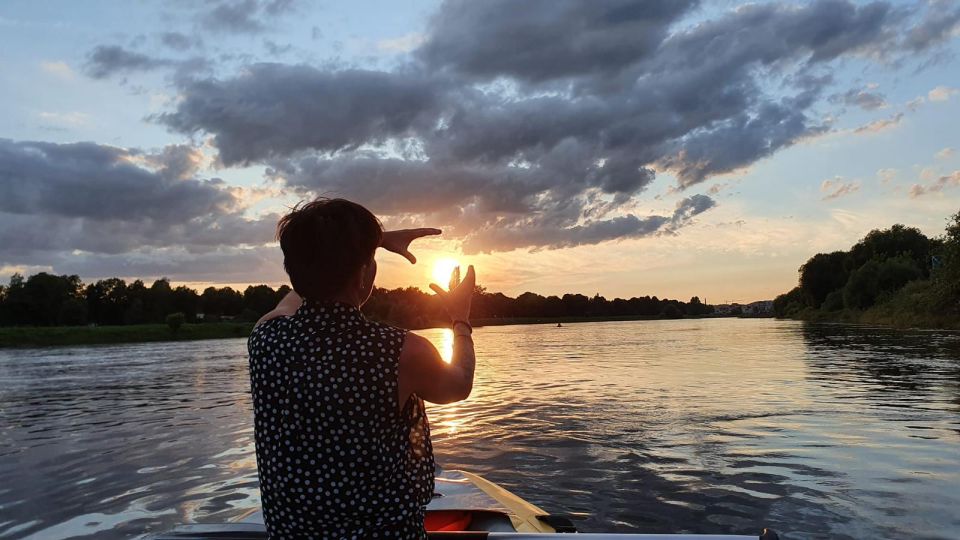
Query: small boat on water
[465, 506]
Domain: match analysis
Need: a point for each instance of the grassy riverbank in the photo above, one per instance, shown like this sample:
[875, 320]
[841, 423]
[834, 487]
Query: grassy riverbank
[919, 304]
[96, 335]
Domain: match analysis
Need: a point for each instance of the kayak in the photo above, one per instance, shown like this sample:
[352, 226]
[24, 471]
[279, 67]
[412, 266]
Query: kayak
[464, 506]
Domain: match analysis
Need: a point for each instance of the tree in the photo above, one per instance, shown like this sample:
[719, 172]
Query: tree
[39, 299]
[833, 302]
[822, 274]
[598, 306]
[862, 288]
[882, 244]
[220, 302]
[160, 300]
[696, 308]
[135, 311]
[107, 301]
[788, 304]
[896, 272]
[671, 311]
[14, 309]
[259, 300]
[175, 321]
[575, 305]
[185, 300]
[73, 312]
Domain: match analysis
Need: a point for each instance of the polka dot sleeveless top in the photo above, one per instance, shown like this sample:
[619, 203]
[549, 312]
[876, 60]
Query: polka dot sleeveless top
[336, 457]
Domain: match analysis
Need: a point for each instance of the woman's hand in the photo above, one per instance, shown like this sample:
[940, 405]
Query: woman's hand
[457, 300]
[399, 241]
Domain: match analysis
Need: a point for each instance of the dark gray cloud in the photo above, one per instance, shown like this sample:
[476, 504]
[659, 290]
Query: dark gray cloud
[234, 16]
[941, 21]
[538, 40]
[243, 16]
[100, 182]
[534, 233]
[276, 109]
[544, 120]
[179, 41]
[514, 125]
[103, 199]
[108, 60]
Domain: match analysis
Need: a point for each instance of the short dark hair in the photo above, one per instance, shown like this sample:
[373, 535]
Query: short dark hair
[325, 242]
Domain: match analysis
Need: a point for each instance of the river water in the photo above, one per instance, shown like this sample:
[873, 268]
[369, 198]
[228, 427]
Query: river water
[699, 426]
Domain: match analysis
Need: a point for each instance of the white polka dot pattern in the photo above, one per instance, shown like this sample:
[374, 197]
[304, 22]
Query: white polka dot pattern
[336, 458]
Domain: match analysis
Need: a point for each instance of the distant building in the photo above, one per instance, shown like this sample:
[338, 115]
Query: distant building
[760, 308]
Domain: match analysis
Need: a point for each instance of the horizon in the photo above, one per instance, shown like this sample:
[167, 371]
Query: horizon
[141, 141]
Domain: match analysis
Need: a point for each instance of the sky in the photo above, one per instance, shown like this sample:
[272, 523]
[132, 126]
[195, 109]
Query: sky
[659, 147]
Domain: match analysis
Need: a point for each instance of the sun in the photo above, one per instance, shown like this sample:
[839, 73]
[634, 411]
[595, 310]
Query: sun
[442, 269]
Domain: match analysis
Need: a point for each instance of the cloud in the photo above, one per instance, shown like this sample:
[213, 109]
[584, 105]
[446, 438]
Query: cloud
[179, 41]
[276, 109]
[99, 199]
[946, 153]
[549, 117]
[865, 99]
[940, 184]
[108, 60]
[402, 44]
[942, 93]
[541, 40]
[243, 16]
[72, 119]
[836, 187]
[58, 68]
[537, 234]
[887, 175]
[880, 125]
[940, 23]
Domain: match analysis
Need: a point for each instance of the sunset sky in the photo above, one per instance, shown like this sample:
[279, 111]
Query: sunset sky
[663, 147]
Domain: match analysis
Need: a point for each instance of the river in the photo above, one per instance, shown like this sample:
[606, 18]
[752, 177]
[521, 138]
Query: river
[700, 426]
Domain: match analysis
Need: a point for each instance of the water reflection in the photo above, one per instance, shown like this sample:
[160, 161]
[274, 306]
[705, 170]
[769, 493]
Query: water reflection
[679, 426]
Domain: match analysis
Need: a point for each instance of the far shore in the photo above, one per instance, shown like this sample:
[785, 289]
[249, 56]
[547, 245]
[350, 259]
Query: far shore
[61, 336]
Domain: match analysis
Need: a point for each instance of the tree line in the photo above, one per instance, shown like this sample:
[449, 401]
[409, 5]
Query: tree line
[885, 267]
[45, 299]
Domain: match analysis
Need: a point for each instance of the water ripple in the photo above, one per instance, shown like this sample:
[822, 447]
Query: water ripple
[661, 426]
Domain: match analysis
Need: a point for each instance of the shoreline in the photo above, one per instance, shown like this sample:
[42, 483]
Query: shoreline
[20, 337]
[878, 316]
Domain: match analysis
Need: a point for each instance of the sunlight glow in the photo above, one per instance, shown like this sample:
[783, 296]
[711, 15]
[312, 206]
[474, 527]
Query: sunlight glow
[442, 269]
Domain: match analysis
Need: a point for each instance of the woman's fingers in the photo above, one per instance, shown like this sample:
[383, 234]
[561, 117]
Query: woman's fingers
[428, 232]
[471, 277]
[406, 253]
[454, 279]
[439, 290]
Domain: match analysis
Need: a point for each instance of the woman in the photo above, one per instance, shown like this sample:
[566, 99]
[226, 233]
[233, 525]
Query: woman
[342, 439]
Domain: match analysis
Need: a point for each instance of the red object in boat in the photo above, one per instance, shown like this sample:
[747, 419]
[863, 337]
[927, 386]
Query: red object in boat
[446, 520]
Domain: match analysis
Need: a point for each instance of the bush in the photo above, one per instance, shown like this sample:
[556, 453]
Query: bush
[896, 272]
[833, 302]
[175, 321]
[788, 304]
